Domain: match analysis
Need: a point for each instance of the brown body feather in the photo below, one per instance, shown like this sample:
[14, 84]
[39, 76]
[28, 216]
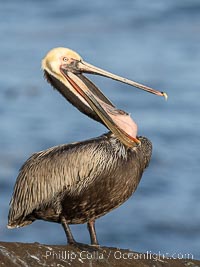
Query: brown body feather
[80, 181]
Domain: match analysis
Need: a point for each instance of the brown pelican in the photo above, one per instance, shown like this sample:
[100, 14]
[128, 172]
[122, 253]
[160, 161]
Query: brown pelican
[80, 182]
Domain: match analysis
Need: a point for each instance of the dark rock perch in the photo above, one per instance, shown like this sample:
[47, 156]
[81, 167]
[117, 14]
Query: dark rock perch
[22, 255]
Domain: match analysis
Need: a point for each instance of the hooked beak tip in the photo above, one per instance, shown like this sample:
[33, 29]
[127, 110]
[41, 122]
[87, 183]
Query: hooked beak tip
[165, 95]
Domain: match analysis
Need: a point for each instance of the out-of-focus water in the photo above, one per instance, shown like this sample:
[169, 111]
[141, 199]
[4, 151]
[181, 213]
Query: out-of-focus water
[154, 42]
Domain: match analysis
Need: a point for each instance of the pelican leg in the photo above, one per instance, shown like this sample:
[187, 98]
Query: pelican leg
[93, 236]
[68, 232]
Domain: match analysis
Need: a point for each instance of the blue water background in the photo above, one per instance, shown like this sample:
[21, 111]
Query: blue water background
[153, 42]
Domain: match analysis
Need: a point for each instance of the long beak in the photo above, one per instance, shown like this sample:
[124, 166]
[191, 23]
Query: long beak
[88, 68]
[118, 121]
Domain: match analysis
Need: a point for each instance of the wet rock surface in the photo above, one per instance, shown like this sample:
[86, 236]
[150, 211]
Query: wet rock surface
[23, 254]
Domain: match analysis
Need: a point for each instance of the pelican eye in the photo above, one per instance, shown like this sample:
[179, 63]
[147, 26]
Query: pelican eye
[65, 59]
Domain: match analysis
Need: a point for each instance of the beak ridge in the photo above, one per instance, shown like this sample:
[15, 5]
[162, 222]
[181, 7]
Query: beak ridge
[88, 68]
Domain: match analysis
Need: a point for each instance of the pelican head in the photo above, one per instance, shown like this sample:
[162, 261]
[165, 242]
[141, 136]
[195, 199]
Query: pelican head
[59, 58]
[64, 69]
